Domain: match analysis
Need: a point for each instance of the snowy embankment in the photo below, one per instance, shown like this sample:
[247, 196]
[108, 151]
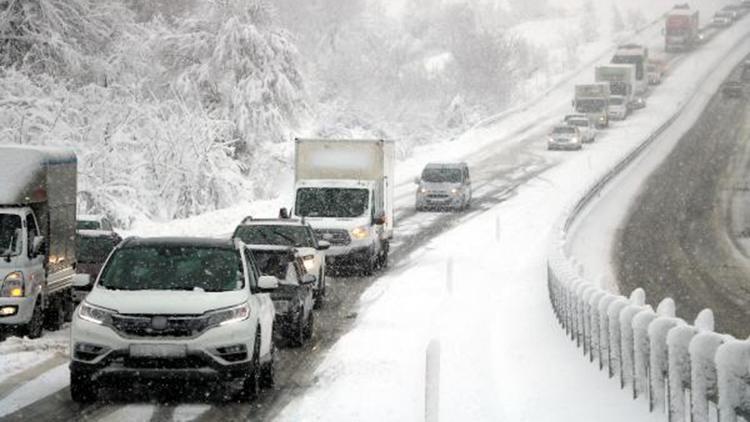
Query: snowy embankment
[503, 355]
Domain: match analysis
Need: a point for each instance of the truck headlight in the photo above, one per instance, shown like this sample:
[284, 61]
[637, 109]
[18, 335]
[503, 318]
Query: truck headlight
[95, 314]
[229, 315]
[360, 233]
[13, 285]
[602, 119]
[455, 191]
[309, 262]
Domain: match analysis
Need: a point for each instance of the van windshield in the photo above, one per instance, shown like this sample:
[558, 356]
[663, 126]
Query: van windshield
[331, 202]
[174, 268]
[444, 175]
[10, 235]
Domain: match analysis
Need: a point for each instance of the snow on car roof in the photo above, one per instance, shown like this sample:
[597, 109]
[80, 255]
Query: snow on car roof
[273, 222]
[95, 233]
[446, 165]
[256, 247]
[206, 242]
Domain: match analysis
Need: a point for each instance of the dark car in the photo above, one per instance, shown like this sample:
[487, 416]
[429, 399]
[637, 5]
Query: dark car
[293, 299]
[92, 249]
[732, 89]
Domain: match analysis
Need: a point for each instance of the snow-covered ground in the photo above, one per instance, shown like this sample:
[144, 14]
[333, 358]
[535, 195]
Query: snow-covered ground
[503, 355]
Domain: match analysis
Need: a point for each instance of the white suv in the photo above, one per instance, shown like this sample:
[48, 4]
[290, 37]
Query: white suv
[174, 308]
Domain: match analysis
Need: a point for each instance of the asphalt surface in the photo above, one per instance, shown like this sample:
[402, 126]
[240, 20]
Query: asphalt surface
[678, 239]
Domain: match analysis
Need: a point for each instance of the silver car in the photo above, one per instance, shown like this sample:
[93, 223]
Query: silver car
[444, 186]
[585, 126]
[564, 137]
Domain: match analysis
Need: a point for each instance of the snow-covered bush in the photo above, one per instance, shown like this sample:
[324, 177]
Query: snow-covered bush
[703, 374]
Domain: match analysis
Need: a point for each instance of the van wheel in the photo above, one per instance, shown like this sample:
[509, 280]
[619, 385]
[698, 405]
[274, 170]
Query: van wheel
[34, 328]
[251, 384]
[82, 388]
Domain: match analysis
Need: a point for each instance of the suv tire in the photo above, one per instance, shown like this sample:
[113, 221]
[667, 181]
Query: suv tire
[251, 384]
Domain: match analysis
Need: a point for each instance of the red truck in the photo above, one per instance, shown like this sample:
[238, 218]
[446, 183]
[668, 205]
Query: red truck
[681, 29]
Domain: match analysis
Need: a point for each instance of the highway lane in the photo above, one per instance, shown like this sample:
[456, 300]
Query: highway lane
[675, 242]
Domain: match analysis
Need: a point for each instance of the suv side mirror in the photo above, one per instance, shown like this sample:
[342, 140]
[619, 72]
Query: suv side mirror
[309, 279]
[283, 213]
[323, 245]
[268, 282]
[37, 246]
[81, 280]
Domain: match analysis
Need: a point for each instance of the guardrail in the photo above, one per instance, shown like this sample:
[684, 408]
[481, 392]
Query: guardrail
[685, 370]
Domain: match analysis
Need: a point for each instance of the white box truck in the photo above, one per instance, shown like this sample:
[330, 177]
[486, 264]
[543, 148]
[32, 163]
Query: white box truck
[344, 190]
[37, 238]
[622, 83]
[593, 101]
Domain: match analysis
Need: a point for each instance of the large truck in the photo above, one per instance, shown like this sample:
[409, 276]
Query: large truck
[37, 238]
[637, 55]
[593, 100]
[621, 80]
[681, 29]
[344, 190]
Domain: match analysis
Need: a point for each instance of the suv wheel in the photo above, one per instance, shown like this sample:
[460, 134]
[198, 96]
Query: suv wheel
[251, 383]
[267, 372]
[321, 293]
[82, 387]
[297, 334]
[310, 326]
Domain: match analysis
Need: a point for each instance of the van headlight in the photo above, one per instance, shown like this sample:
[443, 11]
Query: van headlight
[95, 314]
[360, 233]
[229, 315]
[13, 285]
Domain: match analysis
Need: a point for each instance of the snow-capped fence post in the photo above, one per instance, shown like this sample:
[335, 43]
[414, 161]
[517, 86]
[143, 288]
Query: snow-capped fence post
[432, 382]
[585, 299]
[580, 312]
[615, 350]
[604, 330]
[733, 380]
[659, 359]
[703, 381]
[497, 228]
[637, 303]
[641, 350]
[678, 345]
[594, 336]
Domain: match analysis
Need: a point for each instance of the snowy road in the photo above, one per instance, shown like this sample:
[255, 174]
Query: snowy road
[513, 155]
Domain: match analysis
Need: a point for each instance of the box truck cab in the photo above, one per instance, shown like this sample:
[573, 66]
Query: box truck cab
[344, 190]
[593, 101]
[37, 238]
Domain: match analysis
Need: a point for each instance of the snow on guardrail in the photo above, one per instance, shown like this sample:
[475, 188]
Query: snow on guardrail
[685, 370]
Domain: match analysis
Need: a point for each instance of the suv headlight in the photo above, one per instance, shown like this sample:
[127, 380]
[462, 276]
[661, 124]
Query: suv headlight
[95, 314]
[229, 315]
[360, 233]
[13, 285]
[309, 262]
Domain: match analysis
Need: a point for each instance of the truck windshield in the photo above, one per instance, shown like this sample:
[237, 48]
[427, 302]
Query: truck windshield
[331, 202]
[616, 101]
[590, 106]
[10, 235]
[563, 130]
[174, 268]
[93, 250]
[297, 236]
[578, 122]
[446, 175]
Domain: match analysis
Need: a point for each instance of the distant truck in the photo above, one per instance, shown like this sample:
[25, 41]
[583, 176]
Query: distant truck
[621, 79]
[681, 29]
[37, 238]
[593, 100]
[344, 190]
[637, 55]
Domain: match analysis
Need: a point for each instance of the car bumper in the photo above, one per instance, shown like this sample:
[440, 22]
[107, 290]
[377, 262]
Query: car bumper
[199, 356]
[423, 201]
[564, 146]
[350, 257]
[24, 308]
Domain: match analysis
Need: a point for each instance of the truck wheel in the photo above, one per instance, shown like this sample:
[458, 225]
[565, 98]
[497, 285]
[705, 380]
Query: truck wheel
[82, 387]
[55, 315]
[251, 384]
[310, 326]
[33, 328]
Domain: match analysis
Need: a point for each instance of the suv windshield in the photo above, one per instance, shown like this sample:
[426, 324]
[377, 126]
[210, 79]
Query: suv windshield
[174, 268]
[297, 236]
[331, 202]
[444, 175]
[93, 249]
[87, 225]
[10, 235]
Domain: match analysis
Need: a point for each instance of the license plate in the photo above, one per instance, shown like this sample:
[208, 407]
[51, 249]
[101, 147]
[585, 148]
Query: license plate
[158, 351]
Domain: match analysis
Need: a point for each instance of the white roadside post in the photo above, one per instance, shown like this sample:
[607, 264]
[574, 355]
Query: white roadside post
[432, 382]
[449, 275]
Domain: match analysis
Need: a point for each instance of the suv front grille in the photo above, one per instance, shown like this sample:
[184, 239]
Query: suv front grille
[169, 326]
[333, 236]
